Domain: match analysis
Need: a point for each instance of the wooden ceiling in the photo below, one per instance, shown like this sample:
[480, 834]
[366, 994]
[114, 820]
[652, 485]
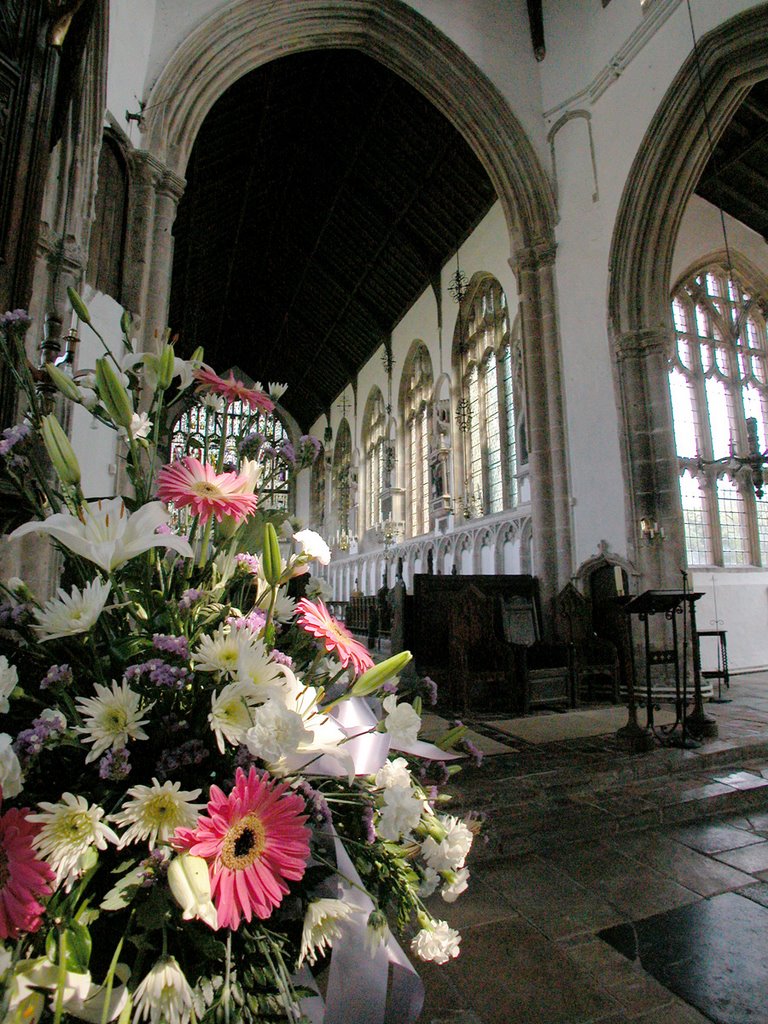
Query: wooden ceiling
[736, 176]
[324, 195]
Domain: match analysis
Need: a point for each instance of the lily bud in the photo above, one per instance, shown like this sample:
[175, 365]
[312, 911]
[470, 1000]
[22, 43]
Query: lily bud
[165, 368]
[375, 677]
[60, 451]
[190, 884]
[112, 393]
[64, 383]
[126, 323]
[271, 562]
[197, 356]
[78, 305]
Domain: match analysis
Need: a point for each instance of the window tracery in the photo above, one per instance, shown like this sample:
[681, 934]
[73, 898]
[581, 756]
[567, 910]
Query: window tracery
[375, 447]
[417, 419]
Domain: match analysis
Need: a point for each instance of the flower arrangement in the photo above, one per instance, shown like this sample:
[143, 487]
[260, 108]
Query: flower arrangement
[210, 793]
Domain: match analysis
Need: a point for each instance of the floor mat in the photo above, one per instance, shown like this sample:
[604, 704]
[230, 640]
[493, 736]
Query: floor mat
[712, 954]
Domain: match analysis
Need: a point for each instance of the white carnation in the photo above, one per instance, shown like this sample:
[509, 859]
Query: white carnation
[276, 732]
[450, 853]
[11, 779]
[393, 773]
[313, 546]
[402, 723]
[455, 885]
[438, 942]
[9, 679]
[400, 814]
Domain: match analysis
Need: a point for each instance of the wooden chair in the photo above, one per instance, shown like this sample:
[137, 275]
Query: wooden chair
[542, 672]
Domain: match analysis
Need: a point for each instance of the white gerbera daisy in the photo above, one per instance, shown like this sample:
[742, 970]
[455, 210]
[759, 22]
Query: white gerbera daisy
[70, 828]
[9, 679]
[232, 713]
[222, 651]
[73, 613]
[155, 812]
[322, 926]
[164, 995]
[112, 718]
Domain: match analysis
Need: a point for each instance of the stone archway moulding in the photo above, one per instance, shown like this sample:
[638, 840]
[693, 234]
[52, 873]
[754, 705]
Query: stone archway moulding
[247, 34]
[665, 171]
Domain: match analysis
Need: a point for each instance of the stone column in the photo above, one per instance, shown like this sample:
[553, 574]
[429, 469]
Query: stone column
[155, 196]
[653, 490]
[550, 491]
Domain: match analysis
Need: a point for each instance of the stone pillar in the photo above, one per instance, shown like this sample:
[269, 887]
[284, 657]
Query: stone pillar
[653, 490]
[155, 196]
[550, 490]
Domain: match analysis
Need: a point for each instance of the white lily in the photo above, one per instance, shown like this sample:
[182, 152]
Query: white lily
[150, 362]
[323, 736]
[107, 534]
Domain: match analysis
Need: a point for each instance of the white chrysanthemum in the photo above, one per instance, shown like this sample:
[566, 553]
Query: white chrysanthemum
[393, 773]
[232, 714]
[456, 883]
[438, 942]
[256, 668]
[285, 607]
[155, 812]
[322, 926]
[11, 779]
[313, 546]
[450, 853]
[214, 402]
[401, 722]
[400, 814]
[222, 651]
[9, 679]
[276, 732]
[112, 718]
[70, 828]
[164, 996]
[319, 589]
[69, 614]
[276, 390]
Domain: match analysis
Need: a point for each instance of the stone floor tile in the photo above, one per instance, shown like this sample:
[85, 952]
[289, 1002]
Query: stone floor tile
[759, 820]
[526, 979]
[453, 1017]
[713, 837]
[478, 905]
[676, 1013]
[758, 892]
[741, 780]
[749, 858]
[687, 867]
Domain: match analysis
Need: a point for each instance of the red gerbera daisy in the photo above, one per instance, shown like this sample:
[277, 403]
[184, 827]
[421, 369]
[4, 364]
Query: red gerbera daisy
[254, 840]
[191, 482]
[317, 620]
[233, 390]
[23, 877]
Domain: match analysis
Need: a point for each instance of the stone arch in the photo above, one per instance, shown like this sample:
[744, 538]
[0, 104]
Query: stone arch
[665, 171]
[244, 36]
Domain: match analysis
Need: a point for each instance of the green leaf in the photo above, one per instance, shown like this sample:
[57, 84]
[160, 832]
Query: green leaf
[123, 892]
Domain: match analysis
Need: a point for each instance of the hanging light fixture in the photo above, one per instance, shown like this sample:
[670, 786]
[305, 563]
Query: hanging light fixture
[755, 459]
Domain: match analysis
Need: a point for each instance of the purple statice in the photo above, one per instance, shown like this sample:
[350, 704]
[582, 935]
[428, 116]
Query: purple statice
[193, 752]
[251, 443]
[159, 672]
[15, 319]
[152, 868]
[254, 621]
[317, 805]
[243, 758]
[6, 611]
[309, 447]
[28, 744]
[178, 645]
[474, 752]
[431, 689]
[282, 659]
[287, 452]
[12, 436]
[163, 529]
[368, 829]
[56, 675]
[115, 765]
[390, 686]
[248, 562]
[21, 614]
[188, 598]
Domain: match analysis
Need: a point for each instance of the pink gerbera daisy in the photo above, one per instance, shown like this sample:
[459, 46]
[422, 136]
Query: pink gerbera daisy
[191, 482]
[23, 878]
[254, 840]
[317, 620]
[233, 390]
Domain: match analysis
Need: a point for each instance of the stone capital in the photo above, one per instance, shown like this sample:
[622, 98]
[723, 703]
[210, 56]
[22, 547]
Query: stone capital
[643, 342]
[541, 253]
[155, 173]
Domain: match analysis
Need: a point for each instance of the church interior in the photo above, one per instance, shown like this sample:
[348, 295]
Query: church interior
[510, 260]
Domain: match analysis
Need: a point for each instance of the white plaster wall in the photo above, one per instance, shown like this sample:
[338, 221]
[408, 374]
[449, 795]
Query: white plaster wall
[131, 34]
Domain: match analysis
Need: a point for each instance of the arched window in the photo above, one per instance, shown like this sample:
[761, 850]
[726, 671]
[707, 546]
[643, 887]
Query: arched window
[197, 432]
[105, 262]
[375, 448]
[719, 389]
[486, 412]
[317, 492]
[417, 415]
[342, 464]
